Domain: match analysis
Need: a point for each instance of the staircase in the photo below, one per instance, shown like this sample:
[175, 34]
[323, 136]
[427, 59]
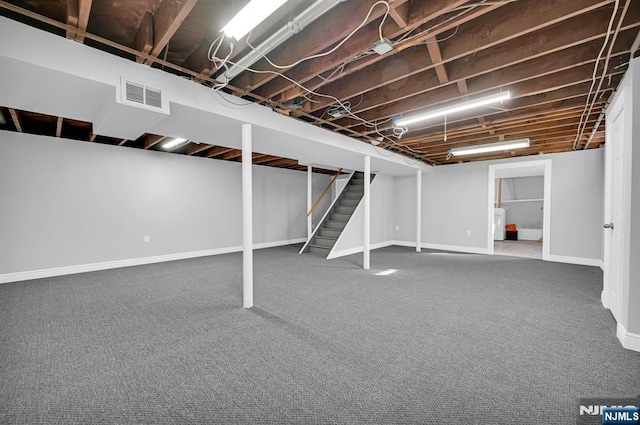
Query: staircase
[333, 223]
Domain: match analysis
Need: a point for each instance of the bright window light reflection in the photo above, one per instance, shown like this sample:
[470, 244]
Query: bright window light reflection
[386, 272]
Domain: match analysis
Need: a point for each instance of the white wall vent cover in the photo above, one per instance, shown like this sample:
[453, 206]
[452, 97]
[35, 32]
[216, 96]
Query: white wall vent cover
[138, 94]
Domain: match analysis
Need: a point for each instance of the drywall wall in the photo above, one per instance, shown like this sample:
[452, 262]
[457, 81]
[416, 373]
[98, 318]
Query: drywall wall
[382, 210]
[454, 201]
[68, 203]
[527, 212]
[404, 211]
[577, 214]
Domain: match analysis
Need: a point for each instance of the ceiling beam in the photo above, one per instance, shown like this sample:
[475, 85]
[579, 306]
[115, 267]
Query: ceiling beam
[431, 93]
[314, 39]
[530, 108]
[636, 44]
[462, 86]
[150, 140]
[218, 150]
[266, 158]
[16, 119]
[436, 59]
[574, 82]
[84, 10]
[553, 124]
[78, 12]
[122, 142]
[166, 21]
[92, 138]
[235, 153]
[400, 14]
[280, 162]
[508, 22]
[310, 72]
[59, 127]
[72, 17]
[583, 28]
[143, 41]
[195, 148]
[198, 60]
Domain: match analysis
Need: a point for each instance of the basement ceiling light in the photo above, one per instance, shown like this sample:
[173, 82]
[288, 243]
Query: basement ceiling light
[475, 103]
[295, 25]
[250, 16]
[491, 147]
[174, 143]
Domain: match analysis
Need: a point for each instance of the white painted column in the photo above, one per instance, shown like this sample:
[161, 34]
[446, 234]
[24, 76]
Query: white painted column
[367, 213]
[247, 218]
[418, 210]
[309, 200]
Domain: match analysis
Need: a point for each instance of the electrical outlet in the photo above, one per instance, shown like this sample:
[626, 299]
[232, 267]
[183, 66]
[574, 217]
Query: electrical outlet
[147, 239]
[468, 232]
[397, 228]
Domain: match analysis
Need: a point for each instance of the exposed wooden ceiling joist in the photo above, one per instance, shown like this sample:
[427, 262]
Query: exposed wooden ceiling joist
[166, 21]
[542, 51]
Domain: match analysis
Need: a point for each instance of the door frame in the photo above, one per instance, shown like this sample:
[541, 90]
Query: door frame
[546, 218]
[616, 108]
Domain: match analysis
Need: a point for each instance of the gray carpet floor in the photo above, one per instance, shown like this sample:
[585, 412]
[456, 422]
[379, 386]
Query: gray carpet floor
[447, 339]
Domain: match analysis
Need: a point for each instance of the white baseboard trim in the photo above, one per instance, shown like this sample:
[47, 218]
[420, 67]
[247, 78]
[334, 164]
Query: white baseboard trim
[84, 268]
[604, 299]
[629, 340]
[455, 248]
[345, 252]
[404, 243]
[576, 260]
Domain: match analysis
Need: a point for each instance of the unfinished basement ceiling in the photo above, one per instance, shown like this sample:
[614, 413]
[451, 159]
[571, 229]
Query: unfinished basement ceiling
[560, 60]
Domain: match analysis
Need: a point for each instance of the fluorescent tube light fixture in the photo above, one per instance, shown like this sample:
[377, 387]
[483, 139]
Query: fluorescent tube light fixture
[301, 21]
[250, 16]
[174, 143]
[491, 147]
[475, 103]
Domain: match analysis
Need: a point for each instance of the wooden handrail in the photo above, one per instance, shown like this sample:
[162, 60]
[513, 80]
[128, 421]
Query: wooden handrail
[324, 192]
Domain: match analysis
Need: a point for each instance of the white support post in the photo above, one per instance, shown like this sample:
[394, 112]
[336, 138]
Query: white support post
[247, 218]
[367, 213]
[309, 200]
[419, 211]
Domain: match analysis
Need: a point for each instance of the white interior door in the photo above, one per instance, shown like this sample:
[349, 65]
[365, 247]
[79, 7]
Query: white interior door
[613, 228]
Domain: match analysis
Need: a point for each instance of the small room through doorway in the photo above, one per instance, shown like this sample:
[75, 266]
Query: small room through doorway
[519, 196]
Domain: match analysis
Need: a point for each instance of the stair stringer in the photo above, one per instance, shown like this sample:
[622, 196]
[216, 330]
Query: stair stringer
[305, 247]
[354, 230]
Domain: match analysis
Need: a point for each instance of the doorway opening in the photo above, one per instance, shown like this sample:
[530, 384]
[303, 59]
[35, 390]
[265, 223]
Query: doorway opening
[519, 209]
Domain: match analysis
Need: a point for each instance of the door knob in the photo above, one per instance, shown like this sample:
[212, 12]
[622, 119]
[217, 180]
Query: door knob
[608, 226]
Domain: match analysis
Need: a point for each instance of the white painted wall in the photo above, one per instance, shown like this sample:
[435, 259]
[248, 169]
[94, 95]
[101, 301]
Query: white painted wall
[527, 214]
[68, 203]
[455, 200]
[382, 218]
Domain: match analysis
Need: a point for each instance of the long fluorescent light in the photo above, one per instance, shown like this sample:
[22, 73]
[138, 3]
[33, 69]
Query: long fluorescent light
[452, 109]
[491, 147]
[295, 25]
[174, 143]
[250, 16]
